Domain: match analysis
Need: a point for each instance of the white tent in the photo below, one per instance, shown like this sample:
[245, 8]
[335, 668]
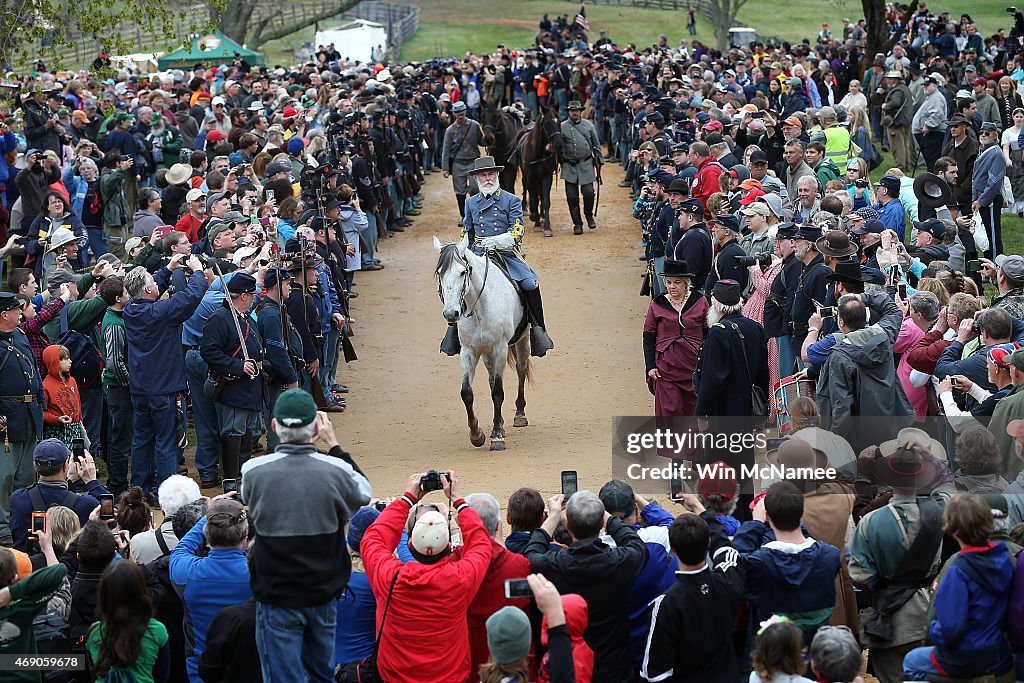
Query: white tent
[359, 39]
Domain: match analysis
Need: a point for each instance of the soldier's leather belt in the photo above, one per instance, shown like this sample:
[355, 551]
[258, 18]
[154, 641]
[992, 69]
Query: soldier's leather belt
[26, 398]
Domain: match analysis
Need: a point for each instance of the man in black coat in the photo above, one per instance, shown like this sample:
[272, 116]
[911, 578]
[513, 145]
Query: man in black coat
[726, 266]
[602, 575]
[733, 358]
[780, 297]
[689, 239]
[239, 389]
[811, 290]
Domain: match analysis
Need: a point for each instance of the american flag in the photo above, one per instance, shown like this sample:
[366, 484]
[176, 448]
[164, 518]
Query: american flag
[581, 19]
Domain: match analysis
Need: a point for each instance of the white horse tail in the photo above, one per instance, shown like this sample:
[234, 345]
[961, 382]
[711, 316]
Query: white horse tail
[512, 359]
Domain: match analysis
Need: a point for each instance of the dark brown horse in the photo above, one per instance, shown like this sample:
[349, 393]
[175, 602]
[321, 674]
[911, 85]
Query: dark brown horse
[539, 146]
[500, 131]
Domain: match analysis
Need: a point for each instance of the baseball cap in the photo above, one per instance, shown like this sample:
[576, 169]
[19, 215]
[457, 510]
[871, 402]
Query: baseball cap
[753, 195]
[865, 213]
[999, 353]
[933, 226]
[217, 100]
[793, 121]
[358, 525]
[280, 166]
[1012, 266]
[244, 253]
[617, 496]
[132, 243]
[718, 480]
[430, 535]
[755, 208]
[873, 226]
[758, 158]
[225, 512]
[295, 408]
[891, 183]
[194, 194]
[50, 453]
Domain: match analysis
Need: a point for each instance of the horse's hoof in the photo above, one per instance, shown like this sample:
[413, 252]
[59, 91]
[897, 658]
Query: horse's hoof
[477, 441]
[548, 233]
[497, 444]
[520, 421]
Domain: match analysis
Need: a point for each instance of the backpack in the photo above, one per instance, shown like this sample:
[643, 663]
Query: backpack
[53, 638]
[86, 363]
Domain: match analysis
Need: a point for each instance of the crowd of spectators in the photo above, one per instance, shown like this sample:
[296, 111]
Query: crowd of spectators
[182, 247]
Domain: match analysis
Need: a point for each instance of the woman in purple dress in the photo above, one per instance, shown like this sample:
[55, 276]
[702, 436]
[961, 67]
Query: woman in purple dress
[673, 333]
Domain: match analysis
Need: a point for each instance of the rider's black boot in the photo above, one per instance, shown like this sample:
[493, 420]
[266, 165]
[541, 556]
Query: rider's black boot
[450, 344]
[540, 342]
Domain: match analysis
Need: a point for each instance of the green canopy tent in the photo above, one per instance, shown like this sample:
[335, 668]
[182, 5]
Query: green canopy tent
[211, 48]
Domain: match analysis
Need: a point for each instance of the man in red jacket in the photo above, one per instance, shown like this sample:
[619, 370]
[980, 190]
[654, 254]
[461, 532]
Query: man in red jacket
[504, 564]
[705, 183]
[425, 635]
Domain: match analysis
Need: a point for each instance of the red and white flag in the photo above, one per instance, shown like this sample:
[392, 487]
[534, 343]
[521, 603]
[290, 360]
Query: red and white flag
[581, 19]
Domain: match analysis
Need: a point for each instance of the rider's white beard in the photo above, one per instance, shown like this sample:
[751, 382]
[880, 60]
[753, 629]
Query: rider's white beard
[487, 188]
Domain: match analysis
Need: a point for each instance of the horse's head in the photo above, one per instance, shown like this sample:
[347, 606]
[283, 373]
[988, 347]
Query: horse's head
[488, 121]
[453, 274]
[552, 128]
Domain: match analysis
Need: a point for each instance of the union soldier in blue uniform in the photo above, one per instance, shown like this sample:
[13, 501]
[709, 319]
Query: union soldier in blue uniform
[21, 408]
[726, 266]
[281, 341]
[237, 385]
[494, 220]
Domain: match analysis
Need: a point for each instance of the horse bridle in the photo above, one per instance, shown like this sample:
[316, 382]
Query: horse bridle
[465, 285]
[556, 131]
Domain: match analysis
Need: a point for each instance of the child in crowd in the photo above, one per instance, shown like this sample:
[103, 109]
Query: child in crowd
[63, 417]
[778, 653]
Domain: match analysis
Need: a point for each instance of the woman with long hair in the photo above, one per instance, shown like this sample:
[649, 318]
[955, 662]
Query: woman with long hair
[860, 134]
[1008, 100]
[1015, 161]
[857, 171]
[127, 639]
[54, 213]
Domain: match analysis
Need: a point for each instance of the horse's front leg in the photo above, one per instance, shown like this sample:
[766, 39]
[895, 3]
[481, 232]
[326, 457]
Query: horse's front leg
[495, 363]
[469, 359]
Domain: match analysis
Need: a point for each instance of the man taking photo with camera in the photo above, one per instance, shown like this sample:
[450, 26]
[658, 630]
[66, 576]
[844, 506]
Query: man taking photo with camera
[299, 502]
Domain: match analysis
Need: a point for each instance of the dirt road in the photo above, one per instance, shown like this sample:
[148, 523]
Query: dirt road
[404, 412]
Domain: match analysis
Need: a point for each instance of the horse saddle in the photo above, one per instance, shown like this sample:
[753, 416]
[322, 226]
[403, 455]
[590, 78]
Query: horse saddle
[496, 260]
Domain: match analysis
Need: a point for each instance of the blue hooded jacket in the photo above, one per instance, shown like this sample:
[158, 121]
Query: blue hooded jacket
[970, 614]
[786, 579]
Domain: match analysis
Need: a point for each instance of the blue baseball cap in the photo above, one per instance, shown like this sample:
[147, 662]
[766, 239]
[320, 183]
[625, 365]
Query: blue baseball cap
[50, 453]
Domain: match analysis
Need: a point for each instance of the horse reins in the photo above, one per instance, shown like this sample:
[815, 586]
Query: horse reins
[466, 285]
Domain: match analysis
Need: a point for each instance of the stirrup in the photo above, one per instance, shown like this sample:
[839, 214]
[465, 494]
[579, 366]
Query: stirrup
[540, 342]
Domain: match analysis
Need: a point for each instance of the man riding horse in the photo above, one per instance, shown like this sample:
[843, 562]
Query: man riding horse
[494, 221]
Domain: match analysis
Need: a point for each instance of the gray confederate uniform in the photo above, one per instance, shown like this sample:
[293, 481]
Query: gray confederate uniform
[461, 147]
[580, 149]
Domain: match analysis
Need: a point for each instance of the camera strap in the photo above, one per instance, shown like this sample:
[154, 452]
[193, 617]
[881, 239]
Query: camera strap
[384, 617]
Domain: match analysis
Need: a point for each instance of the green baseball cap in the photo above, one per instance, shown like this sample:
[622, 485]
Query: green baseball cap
[295, 408]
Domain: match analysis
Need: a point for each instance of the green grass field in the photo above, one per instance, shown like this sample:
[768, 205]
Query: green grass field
[451, 27]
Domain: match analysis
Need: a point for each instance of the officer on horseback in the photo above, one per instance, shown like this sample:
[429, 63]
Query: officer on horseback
[494, 221]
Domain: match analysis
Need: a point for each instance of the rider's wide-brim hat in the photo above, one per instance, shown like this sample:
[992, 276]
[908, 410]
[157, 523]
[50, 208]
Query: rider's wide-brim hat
[483, 164]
